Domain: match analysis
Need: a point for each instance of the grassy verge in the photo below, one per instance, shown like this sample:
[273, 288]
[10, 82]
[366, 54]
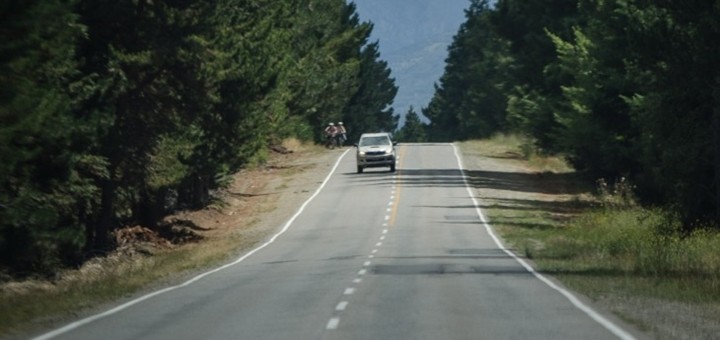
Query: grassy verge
[103, 280]
[603, 245]
[37, 303]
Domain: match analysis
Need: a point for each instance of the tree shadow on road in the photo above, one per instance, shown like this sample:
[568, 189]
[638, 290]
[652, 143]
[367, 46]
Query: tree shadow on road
[544, 183]
[518, 197]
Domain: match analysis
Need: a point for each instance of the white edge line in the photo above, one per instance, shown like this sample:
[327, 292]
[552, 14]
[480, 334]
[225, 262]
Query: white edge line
[82, 322]
[609, 325]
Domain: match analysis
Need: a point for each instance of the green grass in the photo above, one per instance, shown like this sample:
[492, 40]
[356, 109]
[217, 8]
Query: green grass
[605, 245]
[632, 245]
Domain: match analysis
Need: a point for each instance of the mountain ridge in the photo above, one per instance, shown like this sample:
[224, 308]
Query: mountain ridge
[413, 37]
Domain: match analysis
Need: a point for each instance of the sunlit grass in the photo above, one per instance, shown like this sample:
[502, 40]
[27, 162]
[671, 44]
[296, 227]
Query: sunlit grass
[633, 243]
[606, 246]
[519, 148]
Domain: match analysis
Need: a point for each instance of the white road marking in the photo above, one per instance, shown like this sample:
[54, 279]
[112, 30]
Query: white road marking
[391, 203]
[374, 251]
[349, 291]
[371, 256]
[382, 238]
[367, 264]
[362, 272]
[385, 231]
[389, 209]
[333, 323]
[619, 332]
[357, 280]
[387, 217]
[286, 227]
[378, 244]
[341, 306]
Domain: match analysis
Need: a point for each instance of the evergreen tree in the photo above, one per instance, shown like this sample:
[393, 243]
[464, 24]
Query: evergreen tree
[638, 103]
[118, 112]
[470, 102]
[237, 75]
[595, 129]
[414, 130]
[533, 89]
[621, 88]
[323, 74]
[369, 109]
[144, 75]
[674, 63]
[43, 187]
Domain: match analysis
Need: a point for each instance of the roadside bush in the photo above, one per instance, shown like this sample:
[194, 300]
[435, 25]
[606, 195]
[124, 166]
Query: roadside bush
[642, 241]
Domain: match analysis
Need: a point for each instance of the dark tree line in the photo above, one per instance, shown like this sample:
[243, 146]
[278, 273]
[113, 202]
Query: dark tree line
[118, 112]
[621, 88]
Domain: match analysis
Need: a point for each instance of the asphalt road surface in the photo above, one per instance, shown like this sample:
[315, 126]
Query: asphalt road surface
[378, 255]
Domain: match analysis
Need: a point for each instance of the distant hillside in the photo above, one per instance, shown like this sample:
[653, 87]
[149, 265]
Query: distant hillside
[413, 35]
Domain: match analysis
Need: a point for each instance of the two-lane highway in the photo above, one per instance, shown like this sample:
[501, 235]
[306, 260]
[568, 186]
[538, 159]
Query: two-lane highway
[377, 255]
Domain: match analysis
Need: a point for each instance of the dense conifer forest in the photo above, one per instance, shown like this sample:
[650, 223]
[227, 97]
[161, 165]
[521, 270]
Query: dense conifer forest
[627, 90]
[116, 113]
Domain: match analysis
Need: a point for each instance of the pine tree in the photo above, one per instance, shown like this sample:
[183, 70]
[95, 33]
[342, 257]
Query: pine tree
[414, 130]
[369, 109]
[42, 187]
[470, 102]
[533, 86]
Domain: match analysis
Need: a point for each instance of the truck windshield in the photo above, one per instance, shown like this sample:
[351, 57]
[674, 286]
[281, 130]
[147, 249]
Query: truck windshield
[368, 141]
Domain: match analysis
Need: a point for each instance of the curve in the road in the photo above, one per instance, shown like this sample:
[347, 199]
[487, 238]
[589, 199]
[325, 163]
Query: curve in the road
[286, 227]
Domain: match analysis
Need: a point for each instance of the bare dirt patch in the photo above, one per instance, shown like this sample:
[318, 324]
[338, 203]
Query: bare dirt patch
[260, 200]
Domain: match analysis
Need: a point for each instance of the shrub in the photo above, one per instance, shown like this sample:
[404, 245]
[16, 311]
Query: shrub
[641, 241]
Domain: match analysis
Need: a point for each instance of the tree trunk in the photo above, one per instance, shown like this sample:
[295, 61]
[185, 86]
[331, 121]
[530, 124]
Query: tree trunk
[108, 186]
[200, 192]
[151, 207]
[716, 149]
[107, 213]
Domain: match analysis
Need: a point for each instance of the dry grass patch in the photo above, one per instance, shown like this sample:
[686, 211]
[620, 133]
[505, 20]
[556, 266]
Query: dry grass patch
[257, 202]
